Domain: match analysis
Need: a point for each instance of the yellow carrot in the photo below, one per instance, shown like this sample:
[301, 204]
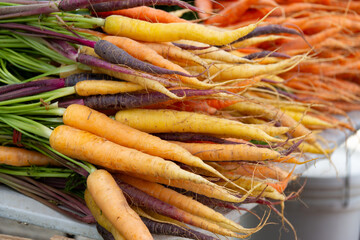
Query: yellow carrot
[160, 32]
[181, 121]
[102, 87]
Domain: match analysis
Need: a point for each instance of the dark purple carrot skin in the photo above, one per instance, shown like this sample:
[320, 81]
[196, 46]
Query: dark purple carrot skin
[73, 79]
[189, 47]
[173, 230]
[192, 137]
[66, 103]
[123, 101]
[268, 29]
[124, 4]
[49, 33]
[97, 62]
[69, 5]
[105, 234]
[24, 2]
[116, 55]
[139, 198]
[266, 53]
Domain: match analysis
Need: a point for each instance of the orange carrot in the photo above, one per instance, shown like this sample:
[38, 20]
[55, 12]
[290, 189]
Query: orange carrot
[145, 13]
[202, 189]
[230, 14]
[109, 198]
[206, 6]
[229, 152]
[88, 147]
[20, 157]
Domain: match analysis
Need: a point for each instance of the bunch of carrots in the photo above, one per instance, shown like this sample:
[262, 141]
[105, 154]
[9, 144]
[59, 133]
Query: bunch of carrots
[160, 119]
[329, 81]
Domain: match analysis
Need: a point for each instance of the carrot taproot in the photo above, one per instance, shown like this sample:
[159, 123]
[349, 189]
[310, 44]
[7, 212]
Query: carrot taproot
[180, 201]
[145, 13]
[173, 52]
[92, 121]
[192, 137]
[203, 189]
[163, 228]
[229, 152]
[116, 55]
[230, 14]
[308, 120]
[180, 121]
[100, 217]
[149, 55]
[107, 195]
[260, 171]
[261, 188]
[16, 156]
[298, 130]
[214, 53]
[127, 100]
[222, 72]
[160, 32]
[117, 158]
[206, 6]
[142, 199]
[142, 80]
[102, 87]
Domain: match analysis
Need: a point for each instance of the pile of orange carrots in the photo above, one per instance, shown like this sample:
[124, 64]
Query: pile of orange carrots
[330, 80]
[225, 127]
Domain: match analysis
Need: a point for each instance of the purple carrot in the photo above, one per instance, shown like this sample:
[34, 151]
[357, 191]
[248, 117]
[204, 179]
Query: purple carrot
[73, 79]
[24, 2]
[125, 4]
[97, 62]
[40, 83]
[162, 228]
[105, 234]
[123, 101]
[21, 8]
[116, 55]
[269, 29]
[266, 53]
[191, 137]
[189, 47]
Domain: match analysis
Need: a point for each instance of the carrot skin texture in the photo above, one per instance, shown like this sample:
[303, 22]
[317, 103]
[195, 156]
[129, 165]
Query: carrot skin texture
[107, 195]
[229, 152]
[101, 219]
[180, 121]
[137, 100]
[103, 87]
[19, 157]
[118, 25]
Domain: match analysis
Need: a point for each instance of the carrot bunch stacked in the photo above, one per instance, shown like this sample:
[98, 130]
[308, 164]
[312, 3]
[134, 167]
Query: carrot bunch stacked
[330, 80]
[157, 115]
